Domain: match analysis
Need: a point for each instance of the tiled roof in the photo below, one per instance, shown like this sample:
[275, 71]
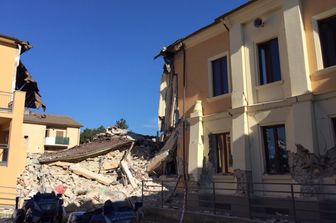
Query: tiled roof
[46, 119]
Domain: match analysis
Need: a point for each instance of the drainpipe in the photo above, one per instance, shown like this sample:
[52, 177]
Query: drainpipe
[184, 119]
[16, 64]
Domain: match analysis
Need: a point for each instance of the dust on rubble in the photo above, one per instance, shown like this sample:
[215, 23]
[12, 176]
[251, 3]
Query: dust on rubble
[90, 181]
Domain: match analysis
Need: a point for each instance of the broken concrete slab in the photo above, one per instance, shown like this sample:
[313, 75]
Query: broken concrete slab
[81, 171]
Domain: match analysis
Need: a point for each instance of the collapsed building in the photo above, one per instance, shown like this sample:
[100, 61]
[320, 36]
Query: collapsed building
[89, 173]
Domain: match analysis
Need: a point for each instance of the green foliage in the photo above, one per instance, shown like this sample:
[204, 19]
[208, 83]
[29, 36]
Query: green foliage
[121, 124]
[87, 133]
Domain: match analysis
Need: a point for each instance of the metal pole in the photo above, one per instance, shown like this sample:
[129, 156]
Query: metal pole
[293, 203]
[248, 199]
[142, 191]
[162, 194]
[214, 196]
[187, 194]
[17, 199]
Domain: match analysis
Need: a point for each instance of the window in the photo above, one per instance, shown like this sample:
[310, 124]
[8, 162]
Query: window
[220, 81]
[327, 33]
[59, 134]
[269, 62]
[222, 156]
[275, 149]
[3, 153]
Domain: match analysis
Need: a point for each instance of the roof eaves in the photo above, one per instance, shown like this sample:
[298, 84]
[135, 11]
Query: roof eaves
[52, 123]
[24, 44]
[178, 41]
[216, 21]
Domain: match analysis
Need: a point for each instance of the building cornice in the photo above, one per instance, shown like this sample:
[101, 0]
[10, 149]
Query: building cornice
[251, 11]
[204, 35]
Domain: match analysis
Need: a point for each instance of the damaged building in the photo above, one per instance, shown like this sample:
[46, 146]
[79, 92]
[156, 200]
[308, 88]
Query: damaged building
[18, 91]
[255, 93]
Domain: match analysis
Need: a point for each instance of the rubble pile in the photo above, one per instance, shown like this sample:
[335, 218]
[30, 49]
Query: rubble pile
[92, 172]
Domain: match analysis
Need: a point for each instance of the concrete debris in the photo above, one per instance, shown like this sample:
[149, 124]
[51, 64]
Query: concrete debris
[90, 179]
[81, 171]
[165, 152]
[308, 168]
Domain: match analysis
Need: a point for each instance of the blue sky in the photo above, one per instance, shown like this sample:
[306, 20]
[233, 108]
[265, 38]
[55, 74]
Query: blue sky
[93, 59]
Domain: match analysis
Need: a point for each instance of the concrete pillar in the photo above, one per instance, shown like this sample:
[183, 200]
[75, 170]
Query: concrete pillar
[195, 158]
[296, 50]
[240, 145]
[303, 126]
[237, 66]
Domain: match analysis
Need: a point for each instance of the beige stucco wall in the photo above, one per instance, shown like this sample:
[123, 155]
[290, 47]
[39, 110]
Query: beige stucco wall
[197, 74]
[36, 137]
[322, 80]
[35, 143]
[325, 109]
[74, 135]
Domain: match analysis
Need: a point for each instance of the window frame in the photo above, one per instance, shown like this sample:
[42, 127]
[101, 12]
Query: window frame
[225, 151]
[266, 150]
[324, 43]
[210, 75]
[4, 155]
[258, 65]
[316, 38]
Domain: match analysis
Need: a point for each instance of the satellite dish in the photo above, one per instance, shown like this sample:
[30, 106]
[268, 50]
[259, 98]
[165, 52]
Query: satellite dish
[258, 23]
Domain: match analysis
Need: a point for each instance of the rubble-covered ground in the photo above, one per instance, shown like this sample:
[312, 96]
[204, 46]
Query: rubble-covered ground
[83, 192]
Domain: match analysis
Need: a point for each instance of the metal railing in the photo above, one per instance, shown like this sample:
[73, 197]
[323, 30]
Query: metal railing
[291, 202]
[62, 140]
[6, 101]
[3, 154]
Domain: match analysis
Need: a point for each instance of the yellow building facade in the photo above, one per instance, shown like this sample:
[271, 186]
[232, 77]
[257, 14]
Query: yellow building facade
[44, 132]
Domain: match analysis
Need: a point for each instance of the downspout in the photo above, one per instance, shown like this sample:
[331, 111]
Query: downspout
[184, 115]
[16, 64]
[184, 119]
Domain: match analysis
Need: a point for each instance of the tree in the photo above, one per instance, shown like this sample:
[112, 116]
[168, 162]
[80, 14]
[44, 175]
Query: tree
[87, 133]
[121, 124]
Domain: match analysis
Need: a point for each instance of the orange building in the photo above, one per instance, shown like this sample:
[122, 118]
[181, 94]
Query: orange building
[17, 91]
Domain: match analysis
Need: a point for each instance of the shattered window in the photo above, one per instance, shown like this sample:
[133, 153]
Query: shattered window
[275, 149]
[327, 33]
[269, 62]
[223, 152]
[220, 82]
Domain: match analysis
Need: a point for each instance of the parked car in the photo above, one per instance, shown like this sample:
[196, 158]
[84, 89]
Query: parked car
[120, 211]
[41, 208]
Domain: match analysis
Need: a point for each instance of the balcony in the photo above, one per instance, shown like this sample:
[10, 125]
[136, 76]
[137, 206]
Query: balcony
[3, 154]
[57, 141]
[6, 101]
